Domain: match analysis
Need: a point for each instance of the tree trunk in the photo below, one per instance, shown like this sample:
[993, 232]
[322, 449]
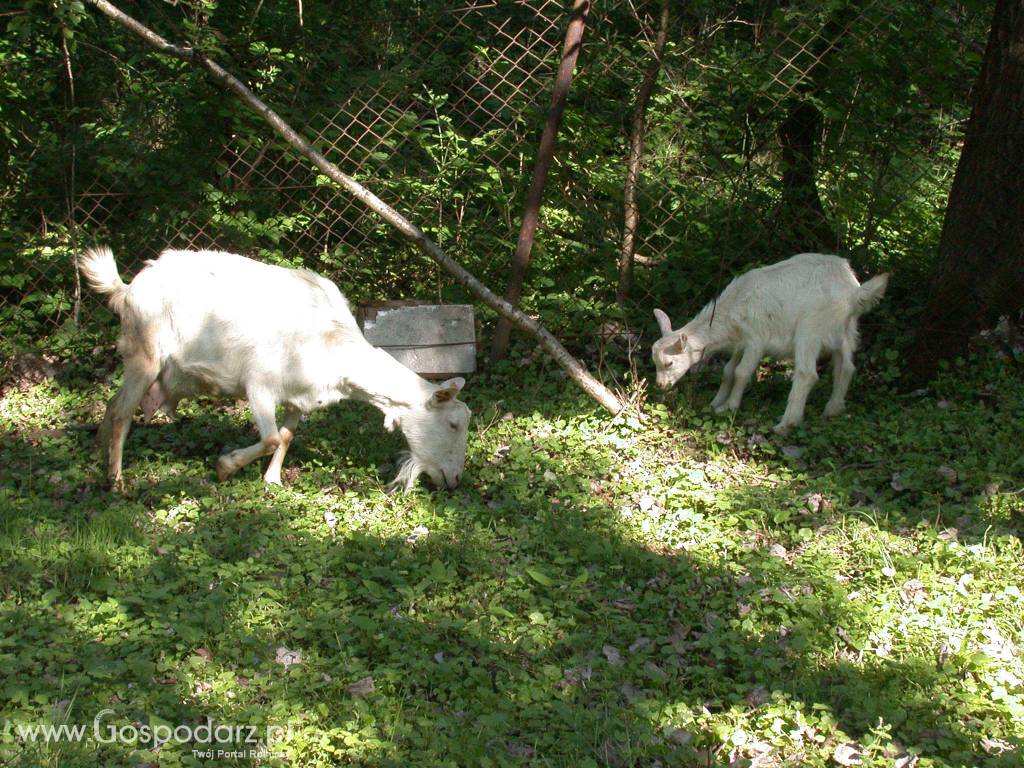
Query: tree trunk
[636, 150]
[801, 217]
[545, 152]
[576, 370]
[803, 214]
[980, 275]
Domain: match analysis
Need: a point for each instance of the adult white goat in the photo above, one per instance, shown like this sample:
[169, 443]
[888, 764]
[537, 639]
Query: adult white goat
[795, 309]
[208, 322]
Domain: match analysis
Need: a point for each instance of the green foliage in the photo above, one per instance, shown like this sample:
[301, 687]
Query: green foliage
[599, 592]
[147, 153]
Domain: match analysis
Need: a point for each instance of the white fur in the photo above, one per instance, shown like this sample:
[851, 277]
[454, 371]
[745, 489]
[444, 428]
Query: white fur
[795, 309]
[208, 322]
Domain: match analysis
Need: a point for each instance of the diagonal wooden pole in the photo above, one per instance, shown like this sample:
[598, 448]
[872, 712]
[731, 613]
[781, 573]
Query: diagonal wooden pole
[573, 367]
[545, 153]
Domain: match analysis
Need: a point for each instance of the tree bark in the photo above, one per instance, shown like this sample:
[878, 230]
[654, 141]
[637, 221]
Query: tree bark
[980, 275]
[576, 370]
[545, 152]
[635, 160]
[801, 217]
[802, 211]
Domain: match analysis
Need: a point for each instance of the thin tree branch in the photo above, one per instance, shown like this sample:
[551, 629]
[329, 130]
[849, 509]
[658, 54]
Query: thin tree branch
[636, 151]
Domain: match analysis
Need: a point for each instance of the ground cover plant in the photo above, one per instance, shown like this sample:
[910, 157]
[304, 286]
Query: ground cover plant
[683, 590]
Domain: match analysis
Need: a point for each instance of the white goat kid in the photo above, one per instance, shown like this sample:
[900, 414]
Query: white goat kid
[795, 309]
[215, 323]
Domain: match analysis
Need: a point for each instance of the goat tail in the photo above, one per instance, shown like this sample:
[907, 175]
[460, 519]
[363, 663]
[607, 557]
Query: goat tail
[100, 271]
[871, 292]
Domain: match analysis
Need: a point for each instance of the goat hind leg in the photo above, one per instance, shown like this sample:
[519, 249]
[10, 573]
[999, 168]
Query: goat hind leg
[805, 373]
[140, 372]
[842, 372]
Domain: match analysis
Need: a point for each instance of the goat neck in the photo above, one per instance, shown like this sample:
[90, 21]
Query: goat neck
[710, 330]
[375, 377]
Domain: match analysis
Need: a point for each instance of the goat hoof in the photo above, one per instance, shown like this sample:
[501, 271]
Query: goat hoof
[224, 469]
[782, 429]
[833, 410]
[723, 408]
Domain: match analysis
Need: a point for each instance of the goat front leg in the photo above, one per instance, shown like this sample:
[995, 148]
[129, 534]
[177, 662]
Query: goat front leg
[728, 377]
[262, 406]
[286, 433]
[742, 372]
[805, 373]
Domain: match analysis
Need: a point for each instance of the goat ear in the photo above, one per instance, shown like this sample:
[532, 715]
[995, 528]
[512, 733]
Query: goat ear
[663, 322]
[677, 347]
[391, 421]
[447, 390]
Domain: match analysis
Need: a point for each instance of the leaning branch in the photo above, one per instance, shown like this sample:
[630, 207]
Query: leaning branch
[573, 367]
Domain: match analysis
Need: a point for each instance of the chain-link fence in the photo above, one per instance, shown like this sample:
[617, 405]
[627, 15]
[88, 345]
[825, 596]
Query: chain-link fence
[773, 128]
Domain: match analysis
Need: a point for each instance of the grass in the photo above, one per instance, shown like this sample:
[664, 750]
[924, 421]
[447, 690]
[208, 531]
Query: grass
[686, 591]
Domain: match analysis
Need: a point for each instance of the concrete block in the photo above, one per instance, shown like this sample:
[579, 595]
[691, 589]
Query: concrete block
[435, 340]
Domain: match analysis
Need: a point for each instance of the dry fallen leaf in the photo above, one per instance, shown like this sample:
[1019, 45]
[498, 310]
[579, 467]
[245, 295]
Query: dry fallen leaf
[678, 638]
[631, 693]
[576, 675]
[286, 658]
[758, 696]
[612, 654]
[639, 644]
[362, 687]
[816, 503]
[678, 736]
[847, 754]
[518, 749]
